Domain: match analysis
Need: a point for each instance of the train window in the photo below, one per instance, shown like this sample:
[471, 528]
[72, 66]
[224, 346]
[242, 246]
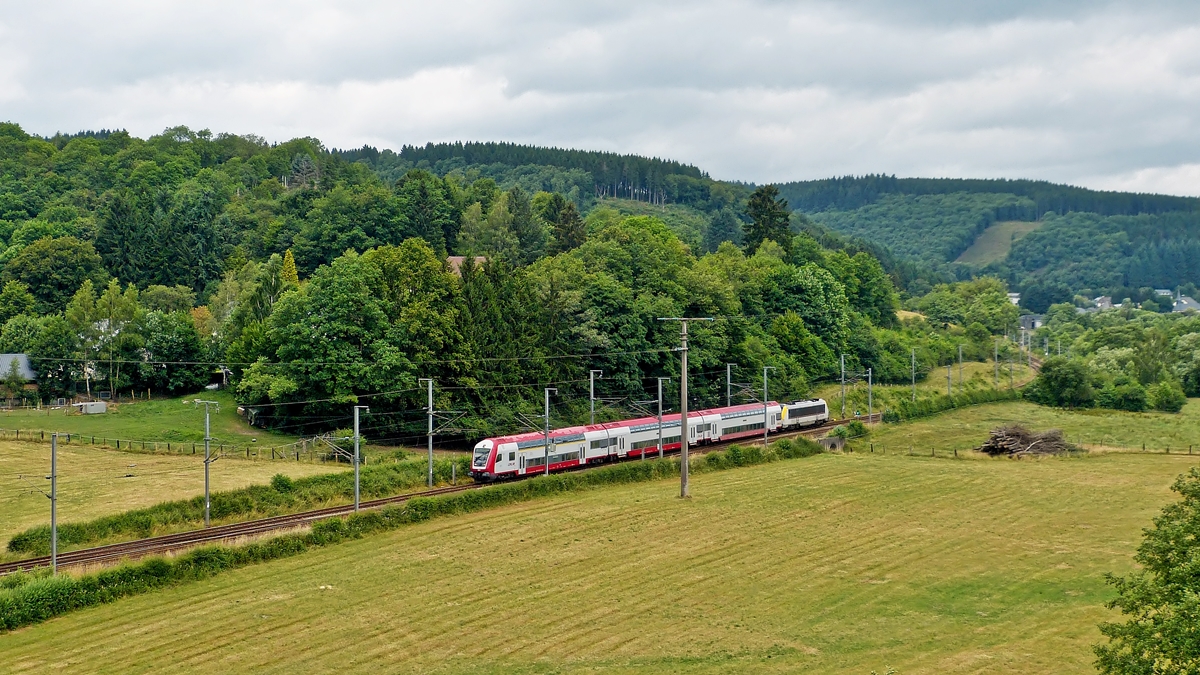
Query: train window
[512, 456]
[622, 442]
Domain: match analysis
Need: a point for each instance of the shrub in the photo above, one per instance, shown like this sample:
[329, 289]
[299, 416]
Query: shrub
[1062, 382]
[907, 410]
[1130, 396]
[281, 483]
[840, 431]
[856, 429]
[1167, 397]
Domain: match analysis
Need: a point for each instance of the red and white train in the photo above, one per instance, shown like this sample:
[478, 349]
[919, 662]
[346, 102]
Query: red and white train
[523, 454]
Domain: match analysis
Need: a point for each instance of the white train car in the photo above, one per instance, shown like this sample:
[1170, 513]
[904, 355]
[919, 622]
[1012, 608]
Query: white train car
[525, 454]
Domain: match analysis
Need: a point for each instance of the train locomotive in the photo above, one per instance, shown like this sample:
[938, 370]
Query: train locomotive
[524, 454]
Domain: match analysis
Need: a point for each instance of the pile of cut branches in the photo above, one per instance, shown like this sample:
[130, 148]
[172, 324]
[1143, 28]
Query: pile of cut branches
[1015, 440]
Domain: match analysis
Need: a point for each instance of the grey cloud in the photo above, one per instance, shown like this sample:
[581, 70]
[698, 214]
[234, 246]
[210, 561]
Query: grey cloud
[763, 91]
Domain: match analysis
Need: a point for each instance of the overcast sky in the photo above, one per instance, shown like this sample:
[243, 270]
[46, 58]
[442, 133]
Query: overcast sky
[1102, 95]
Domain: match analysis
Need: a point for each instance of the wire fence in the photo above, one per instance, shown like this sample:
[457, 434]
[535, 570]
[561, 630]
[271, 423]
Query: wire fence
[303, 450]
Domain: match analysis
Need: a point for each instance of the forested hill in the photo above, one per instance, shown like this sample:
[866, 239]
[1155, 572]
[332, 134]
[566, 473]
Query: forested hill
[852, 192]
[590, 174]
[1048, 241]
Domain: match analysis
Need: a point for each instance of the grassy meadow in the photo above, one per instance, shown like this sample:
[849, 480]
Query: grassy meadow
[96, 482]
[996, 241]
[832, 564]
[1094, 429]
[167, 419]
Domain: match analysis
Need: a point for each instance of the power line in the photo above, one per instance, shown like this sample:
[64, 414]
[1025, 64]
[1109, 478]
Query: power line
[354, 363]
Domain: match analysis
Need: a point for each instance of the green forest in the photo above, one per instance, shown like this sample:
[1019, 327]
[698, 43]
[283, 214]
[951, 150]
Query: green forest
[312, 279]
[1086, 243]
[1126, 359]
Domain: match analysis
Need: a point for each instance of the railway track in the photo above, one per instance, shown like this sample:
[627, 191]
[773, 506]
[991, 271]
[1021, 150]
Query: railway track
[183, 540]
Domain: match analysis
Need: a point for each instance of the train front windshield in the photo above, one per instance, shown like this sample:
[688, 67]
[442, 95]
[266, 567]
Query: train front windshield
[482, 450]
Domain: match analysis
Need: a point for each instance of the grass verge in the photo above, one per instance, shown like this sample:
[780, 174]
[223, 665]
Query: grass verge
[253, 501]
[94, 482]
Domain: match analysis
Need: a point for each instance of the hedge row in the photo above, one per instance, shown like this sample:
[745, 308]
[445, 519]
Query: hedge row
[30, 599]
[282, 496]
[908, 410]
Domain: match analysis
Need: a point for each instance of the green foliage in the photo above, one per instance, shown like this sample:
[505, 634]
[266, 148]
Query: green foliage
[1167, 397]
[282, 483]
[168, 299]
[769, 219]
[174, 355]
[851, 192]
[1123, 395]
[924, 407]
[1064, 383]
[15, 299]
[933, 229]
[53, 269]
[1162, 599]
[983, 301]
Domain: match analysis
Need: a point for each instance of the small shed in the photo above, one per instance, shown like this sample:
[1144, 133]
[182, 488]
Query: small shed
[91, 407]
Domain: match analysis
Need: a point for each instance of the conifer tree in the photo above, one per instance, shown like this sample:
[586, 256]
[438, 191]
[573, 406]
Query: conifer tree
[569, 231]
[288, 274]
[768, 219]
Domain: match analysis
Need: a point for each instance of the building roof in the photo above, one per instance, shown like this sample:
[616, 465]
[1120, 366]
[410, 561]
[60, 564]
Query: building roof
[23, 366]
[1186, 304]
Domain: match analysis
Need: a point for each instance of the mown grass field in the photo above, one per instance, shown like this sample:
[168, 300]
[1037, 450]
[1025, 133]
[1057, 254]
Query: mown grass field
[833, 564]
[996, 241]
[94, 482]
[168, 419]
[1099, 429]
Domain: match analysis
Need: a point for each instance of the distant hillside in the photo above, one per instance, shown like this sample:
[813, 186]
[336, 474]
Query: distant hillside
[933, 229]
[1088, 240]
[852, 192]
[592, 174]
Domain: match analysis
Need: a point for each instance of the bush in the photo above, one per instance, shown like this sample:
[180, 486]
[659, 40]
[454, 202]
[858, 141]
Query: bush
[1167, 397]
[840, 431]
[281, 483]
[856, 429]
[1062, 382]
[908, 410]
[1130, 396]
